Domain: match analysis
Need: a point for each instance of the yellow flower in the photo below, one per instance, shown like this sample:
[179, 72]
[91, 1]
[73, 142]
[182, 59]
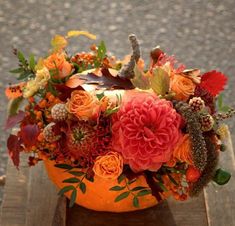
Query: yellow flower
[32, 86]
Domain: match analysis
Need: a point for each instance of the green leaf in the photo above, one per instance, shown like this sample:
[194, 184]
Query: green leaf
[138, 188]
[73, 198]
[71, 180]
[101, 53]
[66, 189]
[140, 80]
[52, 89]
[121, 178]
[144, 192]
[13, 106]
[63, 166]
[77, 173]
[221, 177]
[122, 196]
[160, 82]
[111, 111]
[131, 181]
[17, 70]
[172, 180]
[100, 95]
[161, 185]
[220, 101]
[32, 62]
[21, 58]
[82, 187]
[24, 75]
[117, 188]
[136, 202]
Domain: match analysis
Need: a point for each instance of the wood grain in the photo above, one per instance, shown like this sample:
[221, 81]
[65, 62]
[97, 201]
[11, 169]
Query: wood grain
[168, 213]
[220, 201]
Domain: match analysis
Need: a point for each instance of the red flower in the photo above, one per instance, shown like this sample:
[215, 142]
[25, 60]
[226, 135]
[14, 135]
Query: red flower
[213, 82]
[145, 130]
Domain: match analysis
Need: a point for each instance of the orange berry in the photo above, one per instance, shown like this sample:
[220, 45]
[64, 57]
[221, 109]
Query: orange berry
[51, 98]
[42, 103]
[192, 174]
[48, 95]
[31, 99]
[40, 137]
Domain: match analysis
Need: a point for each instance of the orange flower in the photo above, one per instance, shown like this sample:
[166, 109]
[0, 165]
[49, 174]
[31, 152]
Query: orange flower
[58, 62]
[182, 87]
[109, 166]
[14, 91]
[84, 105]
[182, 152]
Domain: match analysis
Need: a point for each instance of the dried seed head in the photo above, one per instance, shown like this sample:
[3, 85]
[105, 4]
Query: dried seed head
[49, 133]
[59, 112]
[207, 122]
[196, 104]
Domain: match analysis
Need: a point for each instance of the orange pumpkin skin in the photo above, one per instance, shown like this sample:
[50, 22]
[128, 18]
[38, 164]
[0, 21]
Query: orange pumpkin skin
[98, 195]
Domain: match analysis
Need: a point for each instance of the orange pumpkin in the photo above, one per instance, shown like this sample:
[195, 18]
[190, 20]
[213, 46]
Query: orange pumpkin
[98, 195]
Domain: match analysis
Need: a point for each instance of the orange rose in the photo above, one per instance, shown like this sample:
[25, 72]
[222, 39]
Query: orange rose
[109, 166]
[84, 105]
[182, 87]
[182, 152]
[58, 62]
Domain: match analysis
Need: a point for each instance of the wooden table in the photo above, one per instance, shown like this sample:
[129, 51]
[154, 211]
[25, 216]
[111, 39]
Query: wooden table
[30, 199]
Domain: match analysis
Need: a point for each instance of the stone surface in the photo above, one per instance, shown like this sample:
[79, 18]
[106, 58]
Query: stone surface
[200, 33]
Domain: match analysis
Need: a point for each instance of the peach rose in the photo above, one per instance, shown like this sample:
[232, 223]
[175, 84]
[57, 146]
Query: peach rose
[182, 151]
[109, 166]
[58, 61]
[83, 105]
[182, 87]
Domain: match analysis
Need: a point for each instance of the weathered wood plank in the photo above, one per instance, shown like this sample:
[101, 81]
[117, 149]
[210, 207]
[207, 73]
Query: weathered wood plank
[29, 197]
[220, 201]
[168, 213]
[14, 205]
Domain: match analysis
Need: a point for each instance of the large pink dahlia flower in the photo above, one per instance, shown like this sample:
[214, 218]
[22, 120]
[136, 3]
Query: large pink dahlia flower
[145, 130]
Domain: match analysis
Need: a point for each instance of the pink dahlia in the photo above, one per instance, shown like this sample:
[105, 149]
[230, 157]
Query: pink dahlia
[145, 130]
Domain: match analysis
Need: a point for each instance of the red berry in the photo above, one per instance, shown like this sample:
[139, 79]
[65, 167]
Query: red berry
[192, 174]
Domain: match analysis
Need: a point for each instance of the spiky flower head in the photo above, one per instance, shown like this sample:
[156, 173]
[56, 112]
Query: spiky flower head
[49, 134]
[59, 112]
[196, 104]
[207, 122]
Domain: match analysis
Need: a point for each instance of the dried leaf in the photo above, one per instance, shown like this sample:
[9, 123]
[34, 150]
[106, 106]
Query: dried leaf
[58, 43]
[14, 120]
[141, 80]
[76, 33]
[14, 148]
[160, 82]
[29, 134]
[107, 80]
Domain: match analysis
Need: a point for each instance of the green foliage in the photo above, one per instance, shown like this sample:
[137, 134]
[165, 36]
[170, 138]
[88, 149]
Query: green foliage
[71, 180]
[101, 54]
[117, 188]
[138, 188]
[82, 187]
[64, 166]
[121, 178]
[65, 189]
[136, 202]
[77, 173]
[100, 95]
[220, 104]
[73, 197]
[26, 68]
[144, 192]
[122, 196]
[221, 177]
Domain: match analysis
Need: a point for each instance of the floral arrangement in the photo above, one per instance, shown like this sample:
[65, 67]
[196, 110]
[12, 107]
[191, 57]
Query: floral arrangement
[99, 117]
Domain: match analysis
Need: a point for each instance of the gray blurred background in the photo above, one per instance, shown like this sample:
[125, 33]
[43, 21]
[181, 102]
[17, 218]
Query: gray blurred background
[201, 33]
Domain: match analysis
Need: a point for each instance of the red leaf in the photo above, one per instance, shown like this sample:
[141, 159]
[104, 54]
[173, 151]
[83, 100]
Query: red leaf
[14, 148]
[213, 82]
[65, 91]
[29, 134]
[107, 80]
[13, 120]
